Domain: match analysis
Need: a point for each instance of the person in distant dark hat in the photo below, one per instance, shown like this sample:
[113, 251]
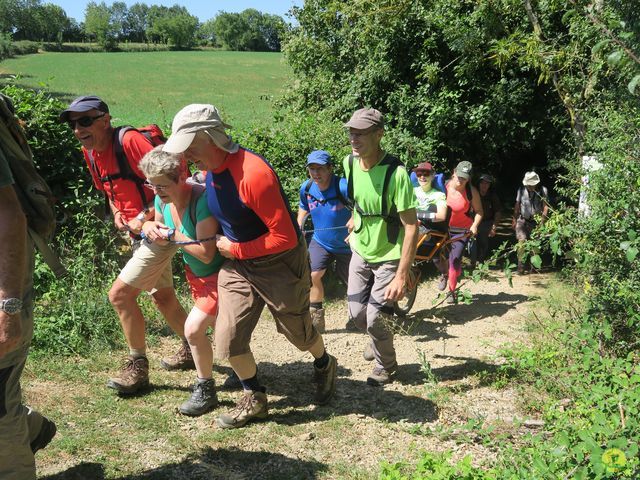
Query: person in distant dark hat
[131, 204]
[466, 213]
[491, 214]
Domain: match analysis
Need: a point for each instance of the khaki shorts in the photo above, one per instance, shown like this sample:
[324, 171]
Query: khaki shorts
[280, 281]
[150, 267]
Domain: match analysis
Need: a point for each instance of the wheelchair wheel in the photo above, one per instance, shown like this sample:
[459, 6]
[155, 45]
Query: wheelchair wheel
[402, 307]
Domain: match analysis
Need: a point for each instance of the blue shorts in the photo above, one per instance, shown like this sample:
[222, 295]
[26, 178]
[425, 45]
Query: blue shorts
[321, 260]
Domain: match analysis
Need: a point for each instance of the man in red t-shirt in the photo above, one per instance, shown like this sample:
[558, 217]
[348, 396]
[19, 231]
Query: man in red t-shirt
[131, 205]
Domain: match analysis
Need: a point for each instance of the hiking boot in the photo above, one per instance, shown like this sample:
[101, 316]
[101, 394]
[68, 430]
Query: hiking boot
[381, 376]
[317, 318]
[232, 382]
[351, 326]
[181, 360]
[203, 398]
[47, 432]
[368, 354]
[251, 405]
[325, 379]
[442, 283]
[133, 376]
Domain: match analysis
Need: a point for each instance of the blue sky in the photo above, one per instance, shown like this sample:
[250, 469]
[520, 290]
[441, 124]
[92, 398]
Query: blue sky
[203, 9]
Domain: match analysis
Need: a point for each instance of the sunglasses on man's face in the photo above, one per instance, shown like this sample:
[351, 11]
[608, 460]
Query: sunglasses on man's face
[83, 121]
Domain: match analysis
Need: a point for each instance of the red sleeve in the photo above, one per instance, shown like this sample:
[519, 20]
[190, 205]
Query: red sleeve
[260, 191]
[96, 181]
[135, 146]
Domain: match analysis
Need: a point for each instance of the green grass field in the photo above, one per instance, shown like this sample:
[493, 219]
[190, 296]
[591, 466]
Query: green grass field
[151, 87]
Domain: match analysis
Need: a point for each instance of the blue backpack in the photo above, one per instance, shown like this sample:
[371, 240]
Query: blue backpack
[437, 181]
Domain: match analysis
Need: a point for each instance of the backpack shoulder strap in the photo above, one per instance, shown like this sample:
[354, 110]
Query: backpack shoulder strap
[124, 166]
[352, 200]
[197, 190]
[345, 201]
[392, 165]
[307, 186]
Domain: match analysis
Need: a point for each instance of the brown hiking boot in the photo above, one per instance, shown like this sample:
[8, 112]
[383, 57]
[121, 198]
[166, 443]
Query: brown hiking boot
[381, 376]
[317, 318]
[325, 379]
[133, 376]
[251, 405]
[181, 360]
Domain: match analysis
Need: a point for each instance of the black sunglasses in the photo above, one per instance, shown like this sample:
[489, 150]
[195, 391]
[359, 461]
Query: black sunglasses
[83, 121]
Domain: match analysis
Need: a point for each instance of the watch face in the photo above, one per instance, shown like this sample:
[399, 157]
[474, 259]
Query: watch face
[12, 305]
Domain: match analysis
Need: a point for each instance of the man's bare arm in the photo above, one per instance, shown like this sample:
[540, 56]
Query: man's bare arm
[13, 264]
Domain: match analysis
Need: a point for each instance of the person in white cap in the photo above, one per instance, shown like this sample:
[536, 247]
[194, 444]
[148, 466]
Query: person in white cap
[267, 260]
[531, 201]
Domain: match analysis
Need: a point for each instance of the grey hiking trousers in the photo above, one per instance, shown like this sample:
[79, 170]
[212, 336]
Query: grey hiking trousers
[367, 307]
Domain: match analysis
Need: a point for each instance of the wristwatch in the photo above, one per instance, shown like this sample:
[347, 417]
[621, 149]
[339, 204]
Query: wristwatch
[170, 233]
[142, 215]
[11, 306]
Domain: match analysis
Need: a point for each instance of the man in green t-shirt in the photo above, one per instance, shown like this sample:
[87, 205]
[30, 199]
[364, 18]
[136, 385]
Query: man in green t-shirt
[383, 238]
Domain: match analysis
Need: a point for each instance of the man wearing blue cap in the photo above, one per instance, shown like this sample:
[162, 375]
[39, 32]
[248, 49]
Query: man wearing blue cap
[323, 196]
[131, 204]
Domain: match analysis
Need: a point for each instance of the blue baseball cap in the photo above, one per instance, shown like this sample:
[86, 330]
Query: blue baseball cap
[320, 157]
[84, 104]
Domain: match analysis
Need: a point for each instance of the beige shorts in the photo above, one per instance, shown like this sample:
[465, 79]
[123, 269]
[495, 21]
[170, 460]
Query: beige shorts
[150, 267]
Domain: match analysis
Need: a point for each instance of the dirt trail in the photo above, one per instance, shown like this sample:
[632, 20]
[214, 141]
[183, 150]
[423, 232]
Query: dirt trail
[348, 438]
[380, 423]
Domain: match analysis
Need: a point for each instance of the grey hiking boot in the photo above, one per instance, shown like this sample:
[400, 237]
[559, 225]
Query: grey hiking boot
[251, 405]
[47, 432]
[381, 376]
[442, 283]
[317, 318]
[133, 376]
[368, 354]
[203, 398]
[325, 379]
[181, 360]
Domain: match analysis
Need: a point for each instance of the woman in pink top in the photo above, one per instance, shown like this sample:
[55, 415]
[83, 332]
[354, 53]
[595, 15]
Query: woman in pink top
[466, 214]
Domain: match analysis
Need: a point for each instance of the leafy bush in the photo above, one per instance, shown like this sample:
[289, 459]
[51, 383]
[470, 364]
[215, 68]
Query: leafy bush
[6, 46]
[434, 466]
[25, 47]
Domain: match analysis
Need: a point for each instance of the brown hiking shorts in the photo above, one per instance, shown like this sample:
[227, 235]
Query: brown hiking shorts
[280, 281]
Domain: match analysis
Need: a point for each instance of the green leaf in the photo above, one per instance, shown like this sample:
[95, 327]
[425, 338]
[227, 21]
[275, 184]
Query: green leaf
[536, 261]
[633, 84]
[615, 57]
[600, 45]
[632, 253]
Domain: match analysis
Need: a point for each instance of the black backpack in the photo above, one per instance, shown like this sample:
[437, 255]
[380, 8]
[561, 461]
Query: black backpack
[388, 212]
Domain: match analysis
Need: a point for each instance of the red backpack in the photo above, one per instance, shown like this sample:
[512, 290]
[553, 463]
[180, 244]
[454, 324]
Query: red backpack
[153, 134]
